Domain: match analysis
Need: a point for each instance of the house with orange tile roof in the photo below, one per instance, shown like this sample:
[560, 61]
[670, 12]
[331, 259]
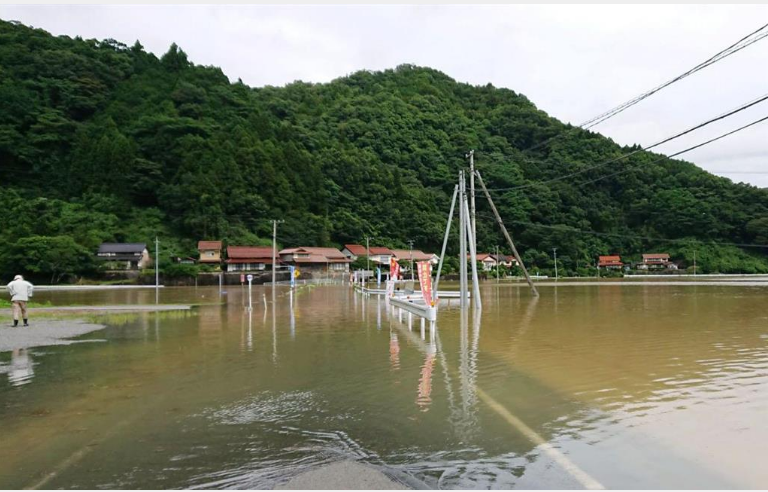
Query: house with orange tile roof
[249, 258]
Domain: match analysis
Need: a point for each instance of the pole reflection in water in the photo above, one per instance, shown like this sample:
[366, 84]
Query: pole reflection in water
[452, 408]
[292, 315]
[21, 370]
[525, 321]
[477, 313]
[274, 327]
[466, 426]
[249, 341]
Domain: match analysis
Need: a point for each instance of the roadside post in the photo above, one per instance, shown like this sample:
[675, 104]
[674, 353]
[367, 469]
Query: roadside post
[293, 276]
[250, 298]
[378, 277]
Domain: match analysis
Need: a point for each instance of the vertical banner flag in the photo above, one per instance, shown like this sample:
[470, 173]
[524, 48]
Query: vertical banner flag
[394, 268]
[425, 279]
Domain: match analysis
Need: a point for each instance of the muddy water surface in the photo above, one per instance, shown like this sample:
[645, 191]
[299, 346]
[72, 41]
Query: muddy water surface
[619, 386]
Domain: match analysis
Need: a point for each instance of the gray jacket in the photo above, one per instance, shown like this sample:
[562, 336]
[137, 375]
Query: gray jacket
[20, 290]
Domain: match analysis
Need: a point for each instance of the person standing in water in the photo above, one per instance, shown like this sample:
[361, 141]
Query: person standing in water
[21, 291]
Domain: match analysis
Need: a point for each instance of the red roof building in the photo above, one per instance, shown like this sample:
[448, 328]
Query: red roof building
[354, 250]
[655, 258]
[378, 254]
[246, 258]
[318, 259]
[610, 262]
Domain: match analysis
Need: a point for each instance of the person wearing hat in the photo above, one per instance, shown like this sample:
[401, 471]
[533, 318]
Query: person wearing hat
[21, 291]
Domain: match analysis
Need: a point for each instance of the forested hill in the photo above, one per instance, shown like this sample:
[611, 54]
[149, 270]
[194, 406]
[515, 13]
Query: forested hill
[100, 141]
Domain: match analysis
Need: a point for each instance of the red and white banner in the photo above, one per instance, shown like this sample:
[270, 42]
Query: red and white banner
[425, 279]
[394, 268]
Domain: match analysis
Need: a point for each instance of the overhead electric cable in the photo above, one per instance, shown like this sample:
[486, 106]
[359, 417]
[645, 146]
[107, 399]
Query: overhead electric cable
[643, 149]
[566, 228]
[734, 48]
[739, 45]
[680, 152]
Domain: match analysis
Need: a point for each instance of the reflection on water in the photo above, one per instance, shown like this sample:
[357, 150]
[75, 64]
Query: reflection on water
[586, 386]
[20, 370]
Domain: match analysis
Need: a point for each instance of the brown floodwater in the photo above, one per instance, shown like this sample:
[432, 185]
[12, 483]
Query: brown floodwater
[589, 385]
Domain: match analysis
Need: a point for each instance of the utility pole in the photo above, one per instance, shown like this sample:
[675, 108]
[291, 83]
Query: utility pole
[471, 155]
[477, 303]
[274, 254]
[497, 264]
[462, 242]
[410, 252]
[507, 236]
[554, 250]
[445, 240]
[367, 255]
[694, 262]
[157, 270]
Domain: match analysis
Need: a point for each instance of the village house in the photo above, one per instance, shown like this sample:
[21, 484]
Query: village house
[656, 261]
[505, 261]
[487, 259]
[248, 258]
[415, 255]
[124, 256]
[378, 254]
[210, 253]
[354, 251]
[490, 261]
[316, 260]
[610, 262]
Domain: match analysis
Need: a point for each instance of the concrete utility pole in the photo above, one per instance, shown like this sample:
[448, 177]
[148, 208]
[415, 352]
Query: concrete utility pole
[473, 257]
[410, 252]
[462, 242]
[445, 239]
[367, 255]
[157, 270]
[497, 264]
[507, 236]
[471, 155]
[274, 253]
[554, 250]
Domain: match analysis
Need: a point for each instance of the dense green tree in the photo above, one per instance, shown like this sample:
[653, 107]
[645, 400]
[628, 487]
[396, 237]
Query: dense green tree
[47, 257]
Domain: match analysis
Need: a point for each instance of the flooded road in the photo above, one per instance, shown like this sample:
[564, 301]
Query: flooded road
[588, 386]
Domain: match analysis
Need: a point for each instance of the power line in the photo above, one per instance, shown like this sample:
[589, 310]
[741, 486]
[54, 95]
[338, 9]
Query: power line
[734, 48]
[645, 149]
[738, 172]
[730, 50]
[681, 152]
[565, 228]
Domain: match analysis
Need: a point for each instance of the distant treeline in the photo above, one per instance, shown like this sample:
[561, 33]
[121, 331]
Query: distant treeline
[100, 141]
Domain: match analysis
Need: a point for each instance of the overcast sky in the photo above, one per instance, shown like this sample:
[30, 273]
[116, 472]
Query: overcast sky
[571, 61]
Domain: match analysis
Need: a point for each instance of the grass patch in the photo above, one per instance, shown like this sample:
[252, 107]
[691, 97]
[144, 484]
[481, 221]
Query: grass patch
[4, 303]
